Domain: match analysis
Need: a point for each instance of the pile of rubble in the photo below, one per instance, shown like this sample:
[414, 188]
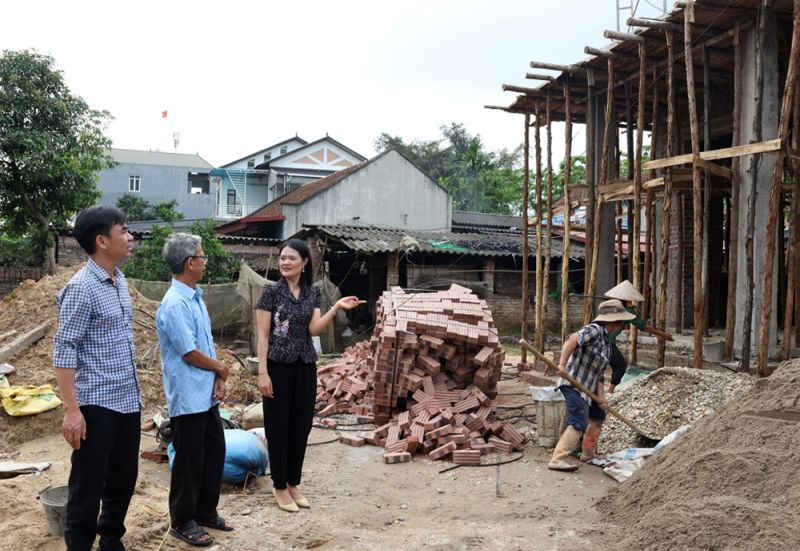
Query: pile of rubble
[665, 400]
[426, 377]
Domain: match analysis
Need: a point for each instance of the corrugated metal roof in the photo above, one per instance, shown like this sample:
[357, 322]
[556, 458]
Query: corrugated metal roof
[372, 239]
[160, 158]
[466, 218]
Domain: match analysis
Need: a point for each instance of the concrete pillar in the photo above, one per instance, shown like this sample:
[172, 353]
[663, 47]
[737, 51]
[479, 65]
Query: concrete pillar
[763, 178]
[488, 275]
[606, 262]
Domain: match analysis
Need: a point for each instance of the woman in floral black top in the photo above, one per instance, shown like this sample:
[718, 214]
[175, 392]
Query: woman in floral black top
[288, 316]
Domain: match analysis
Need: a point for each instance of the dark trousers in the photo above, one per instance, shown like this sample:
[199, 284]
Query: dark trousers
[199, 443]
[618, 365]
[287, 419]
[103, 469]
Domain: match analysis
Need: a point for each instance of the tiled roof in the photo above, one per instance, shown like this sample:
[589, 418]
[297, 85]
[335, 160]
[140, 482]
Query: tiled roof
[373, 239]
[159, 158]
[485, 219]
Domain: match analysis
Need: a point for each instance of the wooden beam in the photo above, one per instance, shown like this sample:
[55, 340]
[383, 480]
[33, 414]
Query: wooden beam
[22, 342]
[548, 249]
[574, 69]
[775, 195]
[539, 311]
[715, 169]
[523, 90]
[599, 52]
[654, 24]
[767, 146]
[624, 37]
[538, 76]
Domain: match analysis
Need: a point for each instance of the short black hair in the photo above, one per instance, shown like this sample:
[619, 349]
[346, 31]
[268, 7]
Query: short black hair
[306, 277]
[96, 221]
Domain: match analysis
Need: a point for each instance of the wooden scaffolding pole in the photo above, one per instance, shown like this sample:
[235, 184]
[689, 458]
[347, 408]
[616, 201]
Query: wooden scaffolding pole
[649, 213]
[777, 189]
[548, 248]
[525, 251]
[567, 209]
[588, 304]
[591, 182]
[539, 333]
[618, 239]
[792, 256]
[665, 231]
[697, 198]
[630, 175]
[736, 182]
[755, 161]
[633, 240]
[680, 288]
[706, 188]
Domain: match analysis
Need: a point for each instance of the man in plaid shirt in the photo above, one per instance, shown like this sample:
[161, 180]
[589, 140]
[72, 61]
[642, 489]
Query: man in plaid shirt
[585, 356]
[93, 353]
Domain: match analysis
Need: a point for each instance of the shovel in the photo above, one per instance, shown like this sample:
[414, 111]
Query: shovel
[564, 375]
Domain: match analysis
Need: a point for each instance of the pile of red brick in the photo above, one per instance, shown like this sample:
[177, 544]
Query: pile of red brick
[426, 377]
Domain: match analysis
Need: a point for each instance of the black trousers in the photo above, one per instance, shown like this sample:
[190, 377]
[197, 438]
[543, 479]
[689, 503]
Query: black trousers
[287, 419]
[199, 443]
[618, 365]
[103, 469]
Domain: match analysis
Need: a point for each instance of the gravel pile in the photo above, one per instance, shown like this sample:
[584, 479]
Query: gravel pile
[665, 400]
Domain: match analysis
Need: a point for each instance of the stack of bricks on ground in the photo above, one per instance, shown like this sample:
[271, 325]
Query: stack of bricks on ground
[426, 378]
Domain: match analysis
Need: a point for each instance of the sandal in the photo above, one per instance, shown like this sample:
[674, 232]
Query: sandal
[191, 533]
[218, 523]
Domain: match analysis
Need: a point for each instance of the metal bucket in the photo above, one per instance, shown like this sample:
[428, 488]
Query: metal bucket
[54, 502]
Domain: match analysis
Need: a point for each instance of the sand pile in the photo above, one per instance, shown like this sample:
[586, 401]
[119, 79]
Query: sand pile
[666, 399]
[33, 303]
[729, 483]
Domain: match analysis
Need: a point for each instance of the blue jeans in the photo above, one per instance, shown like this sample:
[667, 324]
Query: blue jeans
[579, 413]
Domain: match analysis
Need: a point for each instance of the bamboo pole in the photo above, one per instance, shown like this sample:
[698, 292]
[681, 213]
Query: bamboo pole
[618, 239]
[736, 182]
[525, 251]
[681, 262]
[697, 198]
[587, 312]
[664, 267]
[791, 255]
[755, 161]
[633, 241]
[548, 249]
[539, 334]
[775, 196]
[649, 272]
[565, 254]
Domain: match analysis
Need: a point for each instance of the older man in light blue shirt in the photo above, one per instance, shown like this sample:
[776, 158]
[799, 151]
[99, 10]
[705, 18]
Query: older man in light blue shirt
[194, 382]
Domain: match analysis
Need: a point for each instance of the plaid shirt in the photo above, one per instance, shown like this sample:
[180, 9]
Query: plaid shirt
[590, 358]
[95, 337]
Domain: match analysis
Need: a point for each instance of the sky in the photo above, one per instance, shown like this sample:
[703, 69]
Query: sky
[238, 76]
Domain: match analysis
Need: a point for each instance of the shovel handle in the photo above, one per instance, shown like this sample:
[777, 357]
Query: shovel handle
[579, 386]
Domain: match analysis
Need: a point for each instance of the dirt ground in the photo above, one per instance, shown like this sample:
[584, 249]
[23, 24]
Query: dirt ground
[358, 502]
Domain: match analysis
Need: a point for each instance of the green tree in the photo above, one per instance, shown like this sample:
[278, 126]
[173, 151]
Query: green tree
[148, 264]
[17, 250]
[165, 210]
[51, 148]
[134, 207]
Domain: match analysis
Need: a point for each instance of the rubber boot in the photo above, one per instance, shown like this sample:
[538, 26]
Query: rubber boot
[589, 446]
[568, 442]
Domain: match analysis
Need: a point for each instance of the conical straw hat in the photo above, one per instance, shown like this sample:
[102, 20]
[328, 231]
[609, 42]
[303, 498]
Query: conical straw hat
[625, 291]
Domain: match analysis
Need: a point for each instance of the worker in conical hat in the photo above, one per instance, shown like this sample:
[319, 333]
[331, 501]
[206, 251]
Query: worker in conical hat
[626, 293]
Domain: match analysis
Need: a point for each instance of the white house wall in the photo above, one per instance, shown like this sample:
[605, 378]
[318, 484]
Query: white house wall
[323, 155]
[390, 191]
[258, 157]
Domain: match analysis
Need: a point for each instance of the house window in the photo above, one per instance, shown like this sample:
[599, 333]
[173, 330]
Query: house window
[251, 163]
[267, 156]
[283, 150]
[134, 184]
[233, 208]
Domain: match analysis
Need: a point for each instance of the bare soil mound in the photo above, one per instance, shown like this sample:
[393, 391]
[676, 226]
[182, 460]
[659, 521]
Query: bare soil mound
[729, 483]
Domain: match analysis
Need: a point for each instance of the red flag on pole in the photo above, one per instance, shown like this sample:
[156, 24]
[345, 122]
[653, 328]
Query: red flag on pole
[163, 114]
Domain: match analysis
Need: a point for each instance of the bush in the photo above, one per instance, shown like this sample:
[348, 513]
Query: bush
[18, 251]
[147, 262]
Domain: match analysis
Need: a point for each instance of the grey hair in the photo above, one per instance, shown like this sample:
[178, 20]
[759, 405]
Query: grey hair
[177, 248]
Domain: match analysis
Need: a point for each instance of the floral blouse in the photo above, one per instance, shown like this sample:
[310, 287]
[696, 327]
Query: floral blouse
[289, 339]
